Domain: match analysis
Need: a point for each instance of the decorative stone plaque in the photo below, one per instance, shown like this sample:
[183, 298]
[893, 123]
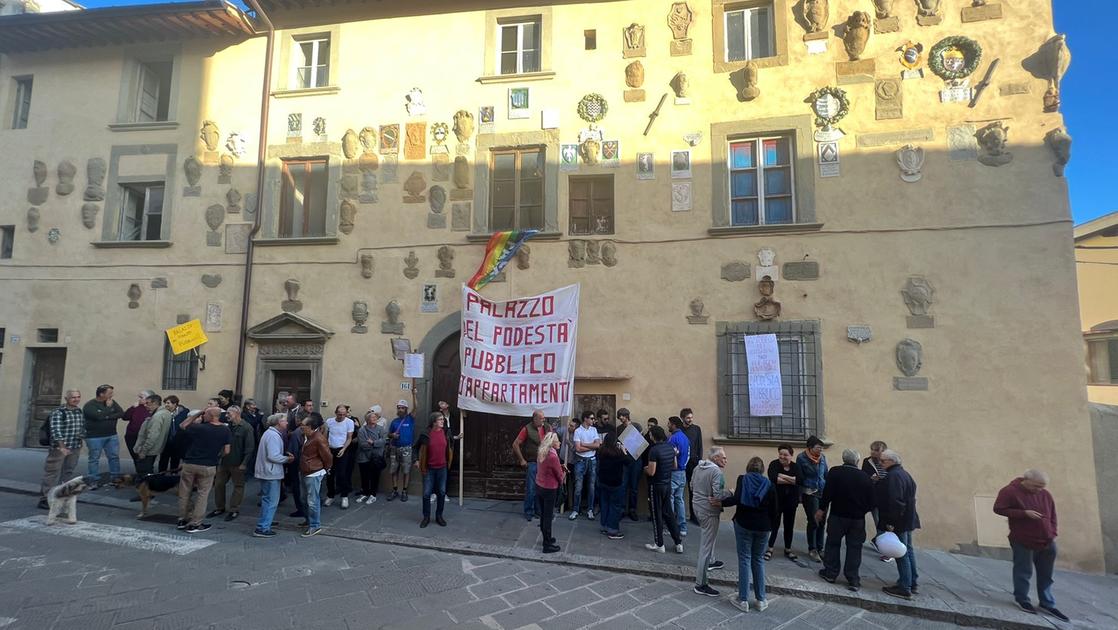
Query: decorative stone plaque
[910, 383]
[859, 334]
[735, 271]
[803, 270]
[889, 99]
[981, 12]
[861, 71]
[415, 144]
[460, 216]
[961, 143]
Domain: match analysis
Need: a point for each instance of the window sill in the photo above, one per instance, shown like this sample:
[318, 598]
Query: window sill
[315, 91]
[783, 228]
[301, 240]
[542, 236]
[545, 75]
[729, 441]
[763, 62]
[131, 244]
[160, 125]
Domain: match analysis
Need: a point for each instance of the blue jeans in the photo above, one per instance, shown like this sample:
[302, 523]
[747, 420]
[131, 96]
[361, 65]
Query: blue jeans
[679, 482]
[434, 482]
[1023, 561]
[312, 487]
[584, 467]
[632, 479]
[613, 498]
[906, 566]
[751, 552]
[111, 446]
[269, 501]
[530, 490]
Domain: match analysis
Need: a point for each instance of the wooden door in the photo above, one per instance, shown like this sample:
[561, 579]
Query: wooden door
[48, 371]
[294, 382]
[489, 467]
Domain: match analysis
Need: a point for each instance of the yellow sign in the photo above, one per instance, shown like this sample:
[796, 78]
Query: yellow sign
[186, 336]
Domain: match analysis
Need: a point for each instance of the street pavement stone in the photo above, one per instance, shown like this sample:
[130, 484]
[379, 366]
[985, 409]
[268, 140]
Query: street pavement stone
[242, 583]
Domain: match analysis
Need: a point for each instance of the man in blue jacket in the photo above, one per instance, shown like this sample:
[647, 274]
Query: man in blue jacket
[896, 500]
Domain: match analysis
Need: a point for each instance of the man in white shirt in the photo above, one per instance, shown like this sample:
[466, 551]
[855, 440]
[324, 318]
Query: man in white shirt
[339, 434]
[587, 442]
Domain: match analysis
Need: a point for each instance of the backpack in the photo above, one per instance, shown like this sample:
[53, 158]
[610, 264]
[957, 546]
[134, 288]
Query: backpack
[44, 431]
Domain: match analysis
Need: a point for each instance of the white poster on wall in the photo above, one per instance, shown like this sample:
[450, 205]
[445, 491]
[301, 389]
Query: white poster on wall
[762, 356]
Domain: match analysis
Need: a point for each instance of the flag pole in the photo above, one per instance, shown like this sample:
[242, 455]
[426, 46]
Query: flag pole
[461, 454]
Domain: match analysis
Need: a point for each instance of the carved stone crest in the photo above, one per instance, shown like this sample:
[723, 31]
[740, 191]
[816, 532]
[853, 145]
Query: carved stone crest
[919, 295]
[134, 294]
[225, 169]
[830, 105]
[1059, 142]
[318, 126]
[856, 35]
[414, 102]
[66, 172]
[680, 18]
[928, 12]
[446, 263]
[89, 215]
[749, 77]
[634, 74]
[576, 254]
[767, 308]
[910, 357]
[524, 257]
[414, 187]
[193, 170]
[393, 325]
[350, 144]
[360, 314]
[233, 199]
[609, 253]
[1050, 63]
[38, 194]
[347, 215]
[859, 334]
[735, 271]
[697, 312]
[366, 261]
[411, 266]
[817, 14]
[590, 151]
[910, 159]
[292, 304]
[215, 216]
[632, 38]
[210, 135]
[211, 280]
[992, 139]
[235, 144]
[33, 219]
[463, 125]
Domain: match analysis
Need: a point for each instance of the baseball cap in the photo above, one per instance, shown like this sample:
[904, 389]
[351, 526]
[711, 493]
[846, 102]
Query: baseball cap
[375, 409]
[402, 403]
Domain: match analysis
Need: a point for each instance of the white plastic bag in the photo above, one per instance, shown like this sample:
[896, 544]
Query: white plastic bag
[890, 546]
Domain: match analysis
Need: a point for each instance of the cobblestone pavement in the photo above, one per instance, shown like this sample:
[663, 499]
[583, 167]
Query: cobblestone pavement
[71, 577]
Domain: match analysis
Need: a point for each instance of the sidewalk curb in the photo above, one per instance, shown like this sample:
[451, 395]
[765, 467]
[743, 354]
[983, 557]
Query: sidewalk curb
[930, 609]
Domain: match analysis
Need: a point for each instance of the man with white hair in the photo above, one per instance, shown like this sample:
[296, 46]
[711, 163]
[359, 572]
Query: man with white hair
[1032, 537]
[707, 483]
[848, 494]
[896, 501]
[67, 432]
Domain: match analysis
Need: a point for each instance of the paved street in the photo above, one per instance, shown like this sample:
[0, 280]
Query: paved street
[54, 580]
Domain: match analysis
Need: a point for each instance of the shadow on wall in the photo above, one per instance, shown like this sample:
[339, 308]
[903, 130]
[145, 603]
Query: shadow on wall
[1104, 430]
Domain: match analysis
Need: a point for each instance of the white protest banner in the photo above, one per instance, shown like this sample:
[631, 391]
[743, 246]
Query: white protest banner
[762, 357]
[519, 356]
[413, 365]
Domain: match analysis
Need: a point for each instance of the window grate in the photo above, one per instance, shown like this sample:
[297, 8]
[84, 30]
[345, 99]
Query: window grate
[798, 348]
[180, 371]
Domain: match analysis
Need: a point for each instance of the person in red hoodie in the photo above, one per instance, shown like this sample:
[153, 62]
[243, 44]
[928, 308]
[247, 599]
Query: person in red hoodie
[1032, 537]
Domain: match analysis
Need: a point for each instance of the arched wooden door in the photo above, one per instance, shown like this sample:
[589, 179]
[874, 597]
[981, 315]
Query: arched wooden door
[490, 467]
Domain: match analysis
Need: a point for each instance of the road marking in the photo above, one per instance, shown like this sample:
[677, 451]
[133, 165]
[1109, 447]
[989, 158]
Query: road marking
[114, 535]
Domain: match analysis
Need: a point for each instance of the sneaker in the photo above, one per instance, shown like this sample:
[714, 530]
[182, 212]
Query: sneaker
[550, 548]
[814, 555]
[395, 495]
[181, 524]
[404, 496]
[679, 548]
[714, 566]
[740, 604]
[1055, 613]
[360, 498]
[761, 605]
[232, 516]
[683, 531]
[217, 512]
[654, 547]
[590, 514]
[196, 529]
[616, 536]
[328, 502]
[311, 531]
[826, 578]
[256, 533]
[1027, 607]
[897, 591]
[573, 516]
[705, 590]
[371, 500]
[345, 503]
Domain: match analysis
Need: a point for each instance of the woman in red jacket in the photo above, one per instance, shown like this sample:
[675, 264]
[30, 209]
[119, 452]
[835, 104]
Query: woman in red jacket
[549, 477]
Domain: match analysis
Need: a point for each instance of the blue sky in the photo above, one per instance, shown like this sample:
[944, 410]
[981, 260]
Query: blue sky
[1092, 71]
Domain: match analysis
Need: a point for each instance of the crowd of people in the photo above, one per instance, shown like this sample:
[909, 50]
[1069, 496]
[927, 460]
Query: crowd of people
[296, 452]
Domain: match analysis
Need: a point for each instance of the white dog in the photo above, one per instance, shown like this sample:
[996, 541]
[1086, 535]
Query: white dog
[64, 498]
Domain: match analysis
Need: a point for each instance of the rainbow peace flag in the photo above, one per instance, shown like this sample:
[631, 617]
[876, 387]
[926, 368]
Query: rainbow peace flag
[500, 250]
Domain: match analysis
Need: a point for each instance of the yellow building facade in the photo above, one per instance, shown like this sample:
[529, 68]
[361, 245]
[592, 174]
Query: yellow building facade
[1096, 255]
[919, 249]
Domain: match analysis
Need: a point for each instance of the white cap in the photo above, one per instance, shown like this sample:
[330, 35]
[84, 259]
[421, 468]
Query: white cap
[375, 409]
[402, 403]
